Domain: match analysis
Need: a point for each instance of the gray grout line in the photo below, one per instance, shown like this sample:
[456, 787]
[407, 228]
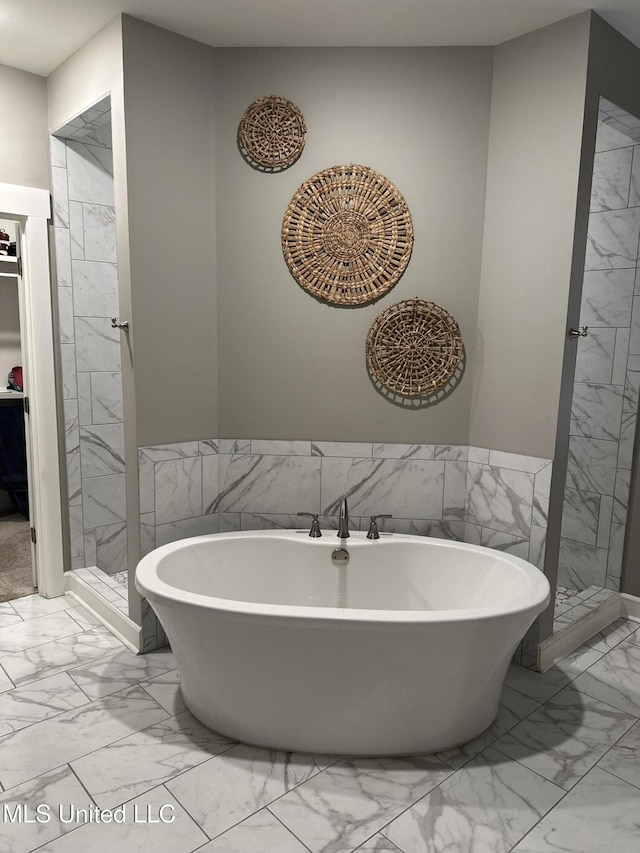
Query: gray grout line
[615, 775]
[289, 830]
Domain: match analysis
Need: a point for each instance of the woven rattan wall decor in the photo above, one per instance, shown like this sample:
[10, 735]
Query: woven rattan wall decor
[347, 235]
[414, 347]
[272, 133]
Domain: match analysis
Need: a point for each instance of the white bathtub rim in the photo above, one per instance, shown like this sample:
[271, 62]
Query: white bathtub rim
[155, 590]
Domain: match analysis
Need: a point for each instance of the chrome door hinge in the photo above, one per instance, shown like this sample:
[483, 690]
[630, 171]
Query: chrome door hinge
[33, 535]
[26, 404]
[19, 260]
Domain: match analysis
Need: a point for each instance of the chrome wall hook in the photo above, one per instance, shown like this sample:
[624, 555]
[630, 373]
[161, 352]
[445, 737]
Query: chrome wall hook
[577, 333]
[116, 324]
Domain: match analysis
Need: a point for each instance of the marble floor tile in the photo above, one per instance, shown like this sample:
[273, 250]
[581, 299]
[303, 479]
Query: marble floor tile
[599, 814]
[615, 678]
[514, 707]
[60, 655]
[623, 759]
[142, 830]
[165, 689]
[32, 606]
[484, 808]
[58, 740]
[635, 636]
[5, 681]
[58, 789]
[543, 685]
[38, 701]
[35, 632]
[230, 787]
[378, 844]
[112, 674]
[346, 804]
[85, 619]
[612, 635]
[260, 832]
[148, 758]
[565, 738]
[8, 616]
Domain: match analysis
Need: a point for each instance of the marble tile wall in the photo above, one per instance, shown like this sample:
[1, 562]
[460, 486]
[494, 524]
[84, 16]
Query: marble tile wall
[87, 276]
[605, 391]
[454, 492]
[468, 494]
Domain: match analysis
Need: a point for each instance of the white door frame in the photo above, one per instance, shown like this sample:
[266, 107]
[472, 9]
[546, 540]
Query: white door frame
[33, 207]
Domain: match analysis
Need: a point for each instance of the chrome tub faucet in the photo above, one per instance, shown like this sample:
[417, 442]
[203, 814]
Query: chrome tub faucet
[343, 520]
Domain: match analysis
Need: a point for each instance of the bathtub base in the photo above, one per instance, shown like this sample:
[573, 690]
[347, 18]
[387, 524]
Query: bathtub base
[377, 745]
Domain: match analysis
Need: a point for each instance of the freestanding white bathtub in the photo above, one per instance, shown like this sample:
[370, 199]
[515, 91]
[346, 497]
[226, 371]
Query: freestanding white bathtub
[404, 650]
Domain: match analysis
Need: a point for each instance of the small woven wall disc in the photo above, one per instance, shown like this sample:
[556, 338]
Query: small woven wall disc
[272, 133]
[347, 235]
[414, 347]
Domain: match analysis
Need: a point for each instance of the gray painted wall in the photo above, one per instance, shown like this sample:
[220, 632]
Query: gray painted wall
[290, 366]
[534, 159]
[23, 131]
[169, 117]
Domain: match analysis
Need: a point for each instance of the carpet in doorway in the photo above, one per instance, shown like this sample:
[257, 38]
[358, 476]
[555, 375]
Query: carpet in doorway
[15, 558]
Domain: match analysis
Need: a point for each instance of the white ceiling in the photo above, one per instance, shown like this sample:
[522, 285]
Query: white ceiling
[37, 35]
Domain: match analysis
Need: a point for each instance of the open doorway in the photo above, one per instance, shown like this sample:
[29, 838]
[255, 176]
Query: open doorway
[25, 280]
[18, 570]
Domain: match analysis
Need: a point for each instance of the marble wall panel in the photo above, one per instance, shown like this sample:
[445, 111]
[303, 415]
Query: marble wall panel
[97, 345]
[581, 566]
[592, 465]
[111, 548]
[76, 230]
[620, 355]
[99, 231]
[612, 241]
[596, 411]
[406, 488]
[95, 289]
[90, 173]
[178, 489]
[102, 449]
[594, 360]
[104, 500]
[62, 254]
[580, 516]
[627, 438]
[634, 190]
[106, 397]
[500, 498]
[286, 484]
[611, 177]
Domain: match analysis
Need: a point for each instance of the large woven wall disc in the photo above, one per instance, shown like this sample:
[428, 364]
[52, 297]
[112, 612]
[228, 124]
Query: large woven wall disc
[347, 235]
[272, 133]
[414, 347]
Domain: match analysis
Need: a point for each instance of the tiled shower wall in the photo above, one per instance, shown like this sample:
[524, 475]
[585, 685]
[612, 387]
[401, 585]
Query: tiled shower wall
[85, 247]
[467, 494]
[605, 392]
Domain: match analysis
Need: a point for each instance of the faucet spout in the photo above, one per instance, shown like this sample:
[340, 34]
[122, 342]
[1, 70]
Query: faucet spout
[343, 520]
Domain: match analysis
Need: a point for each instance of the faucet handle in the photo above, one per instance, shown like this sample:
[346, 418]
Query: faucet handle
[315, 531]
[373, 526]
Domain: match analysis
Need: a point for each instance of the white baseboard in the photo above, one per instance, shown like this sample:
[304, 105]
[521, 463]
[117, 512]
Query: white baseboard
[117, 622]
[572, 636]
[631, 607]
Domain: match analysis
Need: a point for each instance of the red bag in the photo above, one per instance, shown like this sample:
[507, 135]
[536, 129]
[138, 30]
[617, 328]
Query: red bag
[15, 378]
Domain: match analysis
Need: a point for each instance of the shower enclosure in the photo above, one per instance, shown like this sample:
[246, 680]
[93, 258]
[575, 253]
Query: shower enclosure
[604, 402]
[87, 296]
